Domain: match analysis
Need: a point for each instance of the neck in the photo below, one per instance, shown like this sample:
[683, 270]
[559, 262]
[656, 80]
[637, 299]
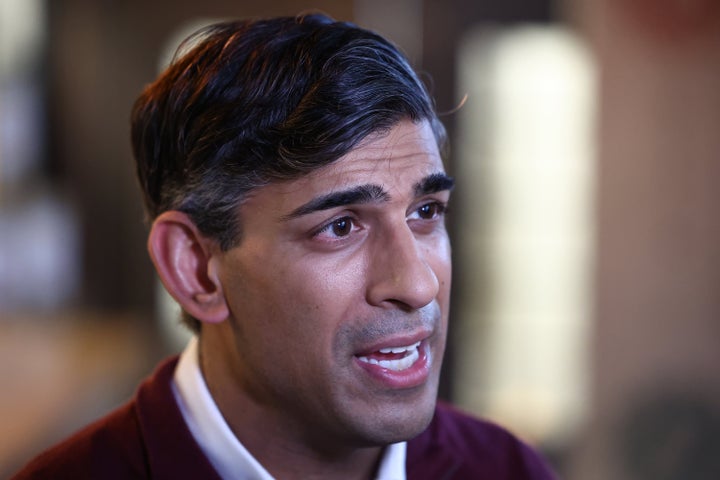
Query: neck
[277, 440]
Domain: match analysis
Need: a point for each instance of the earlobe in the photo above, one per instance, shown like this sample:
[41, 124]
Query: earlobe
[183, 258]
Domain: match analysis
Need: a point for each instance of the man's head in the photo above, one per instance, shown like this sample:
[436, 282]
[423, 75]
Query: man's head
[250, 102]
[292, 171]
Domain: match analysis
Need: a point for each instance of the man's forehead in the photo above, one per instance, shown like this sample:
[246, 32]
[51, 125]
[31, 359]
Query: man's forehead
[407, 146]
[405, 134]
[397, 159]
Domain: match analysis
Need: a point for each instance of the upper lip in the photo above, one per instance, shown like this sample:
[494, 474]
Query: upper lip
[395, 341]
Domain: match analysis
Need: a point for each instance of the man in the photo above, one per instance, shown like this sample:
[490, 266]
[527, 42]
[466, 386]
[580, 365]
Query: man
[292, 172]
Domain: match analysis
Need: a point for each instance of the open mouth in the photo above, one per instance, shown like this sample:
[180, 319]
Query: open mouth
[393, 358]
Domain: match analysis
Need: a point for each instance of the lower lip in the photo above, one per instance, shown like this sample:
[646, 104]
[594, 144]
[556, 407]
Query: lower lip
[413, 376]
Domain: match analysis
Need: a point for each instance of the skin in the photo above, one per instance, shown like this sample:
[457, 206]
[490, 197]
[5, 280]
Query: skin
[320, 279]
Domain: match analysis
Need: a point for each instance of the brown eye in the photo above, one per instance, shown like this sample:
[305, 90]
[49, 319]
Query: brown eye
[341, 227]
[429, 211]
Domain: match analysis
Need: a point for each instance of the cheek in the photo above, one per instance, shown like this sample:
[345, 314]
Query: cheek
[303, 301]
[327, 292]
[439, 255]
[326, 298]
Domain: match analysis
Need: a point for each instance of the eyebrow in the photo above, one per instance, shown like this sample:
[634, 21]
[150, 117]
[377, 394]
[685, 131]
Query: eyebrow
[433, 183]
[369, 193]
[355, 195]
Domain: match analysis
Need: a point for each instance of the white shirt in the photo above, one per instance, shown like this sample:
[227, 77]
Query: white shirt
[222, 448]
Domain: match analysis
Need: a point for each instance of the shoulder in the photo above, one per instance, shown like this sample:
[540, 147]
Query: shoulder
[457, 445]
[108, 448]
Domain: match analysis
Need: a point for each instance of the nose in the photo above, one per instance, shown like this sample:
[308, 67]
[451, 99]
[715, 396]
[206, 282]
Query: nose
[401, 273]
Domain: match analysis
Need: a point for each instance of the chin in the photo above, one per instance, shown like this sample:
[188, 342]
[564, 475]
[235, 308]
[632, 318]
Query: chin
[399, 422]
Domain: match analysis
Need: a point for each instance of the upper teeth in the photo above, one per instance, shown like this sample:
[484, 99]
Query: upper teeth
[400, 349]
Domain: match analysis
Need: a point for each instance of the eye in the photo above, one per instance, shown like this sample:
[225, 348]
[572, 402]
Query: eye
[338, 228]
[431, 210]
[341, 227]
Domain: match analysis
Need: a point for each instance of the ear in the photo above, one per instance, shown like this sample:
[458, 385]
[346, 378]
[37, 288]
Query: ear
[184, 260]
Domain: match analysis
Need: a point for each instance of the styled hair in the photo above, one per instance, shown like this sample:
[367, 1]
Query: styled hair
[246, 103]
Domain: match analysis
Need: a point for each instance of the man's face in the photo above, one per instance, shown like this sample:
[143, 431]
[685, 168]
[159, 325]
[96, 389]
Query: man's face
[339, 293]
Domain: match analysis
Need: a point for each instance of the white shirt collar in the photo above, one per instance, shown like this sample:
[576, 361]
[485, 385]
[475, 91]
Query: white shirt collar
[222, 448]
[392, 464]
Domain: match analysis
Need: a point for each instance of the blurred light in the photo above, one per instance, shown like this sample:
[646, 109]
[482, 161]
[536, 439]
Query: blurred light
[21, 41]
[39, 241]
[39, 268]
[526, 158]
[22, 33]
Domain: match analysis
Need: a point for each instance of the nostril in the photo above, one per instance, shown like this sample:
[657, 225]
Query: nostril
[413, 288]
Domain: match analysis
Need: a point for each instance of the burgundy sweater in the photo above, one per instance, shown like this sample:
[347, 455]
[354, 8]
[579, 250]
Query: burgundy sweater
[147, 438]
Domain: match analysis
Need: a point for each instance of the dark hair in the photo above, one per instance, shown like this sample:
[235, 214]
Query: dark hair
[245, 103]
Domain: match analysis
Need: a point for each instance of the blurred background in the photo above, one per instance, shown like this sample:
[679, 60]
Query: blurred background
[586, 312]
